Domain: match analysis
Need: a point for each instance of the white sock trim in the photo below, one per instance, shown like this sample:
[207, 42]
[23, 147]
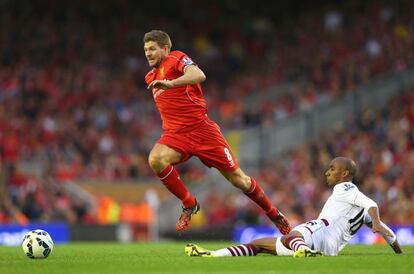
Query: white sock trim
[169, 172]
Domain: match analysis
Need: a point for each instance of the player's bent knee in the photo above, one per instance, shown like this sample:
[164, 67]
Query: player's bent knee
[156, 162]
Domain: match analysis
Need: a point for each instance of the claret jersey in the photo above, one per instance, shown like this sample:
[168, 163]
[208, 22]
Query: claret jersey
[180, 107]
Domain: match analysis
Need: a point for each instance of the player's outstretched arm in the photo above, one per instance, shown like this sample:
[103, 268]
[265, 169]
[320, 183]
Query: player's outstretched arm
[390, 238]
[378, 226]
[375, 222]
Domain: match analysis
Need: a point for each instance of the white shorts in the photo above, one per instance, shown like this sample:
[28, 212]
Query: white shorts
[315, 235]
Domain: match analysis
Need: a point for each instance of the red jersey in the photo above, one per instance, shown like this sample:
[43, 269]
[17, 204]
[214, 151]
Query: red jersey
[180, 107]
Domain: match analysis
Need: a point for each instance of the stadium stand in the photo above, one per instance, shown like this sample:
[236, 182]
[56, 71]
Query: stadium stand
[72, 98]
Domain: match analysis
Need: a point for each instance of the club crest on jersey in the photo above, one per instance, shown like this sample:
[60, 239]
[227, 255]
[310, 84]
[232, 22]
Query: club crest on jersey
[161, 72]
[187, 61]
[348, 187]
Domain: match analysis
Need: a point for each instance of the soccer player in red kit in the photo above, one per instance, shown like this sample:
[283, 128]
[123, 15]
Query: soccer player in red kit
[175, 84]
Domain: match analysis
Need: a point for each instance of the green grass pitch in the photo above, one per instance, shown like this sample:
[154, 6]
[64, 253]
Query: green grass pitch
[165, 258]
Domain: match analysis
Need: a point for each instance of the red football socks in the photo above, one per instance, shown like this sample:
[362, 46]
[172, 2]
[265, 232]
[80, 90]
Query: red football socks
[171, 179]
[257, 194]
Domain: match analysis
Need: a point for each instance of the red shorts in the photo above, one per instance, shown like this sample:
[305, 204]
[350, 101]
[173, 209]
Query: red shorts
[206, 142]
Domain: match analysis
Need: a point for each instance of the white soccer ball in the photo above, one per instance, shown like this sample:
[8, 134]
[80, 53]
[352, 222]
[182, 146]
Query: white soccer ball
[37, 244]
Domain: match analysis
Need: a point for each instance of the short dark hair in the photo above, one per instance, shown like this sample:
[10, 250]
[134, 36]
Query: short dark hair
[158, 36]
[348, 164]
[351, 167]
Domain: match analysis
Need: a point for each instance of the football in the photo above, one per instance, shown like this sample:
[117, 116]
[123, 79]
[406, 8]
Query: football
[37, 244]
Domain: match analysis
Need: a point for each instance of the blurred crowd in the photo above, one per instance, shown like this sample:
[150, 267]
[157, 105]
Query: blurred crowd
[73, 98]
[381, 143]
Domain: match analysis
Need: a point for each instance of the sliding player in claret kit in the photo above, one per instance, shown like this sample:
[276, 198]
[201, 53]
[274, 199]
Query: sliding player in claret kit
[345, 211]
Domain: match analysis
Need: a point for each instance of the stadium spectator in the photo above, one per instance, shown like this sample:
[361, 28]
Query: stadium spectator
[71, 89]
[103, 95]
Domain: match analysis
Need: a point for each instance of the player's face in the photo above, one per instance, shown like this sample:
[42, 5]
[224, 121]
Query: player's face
[334, 173]
[154, 53]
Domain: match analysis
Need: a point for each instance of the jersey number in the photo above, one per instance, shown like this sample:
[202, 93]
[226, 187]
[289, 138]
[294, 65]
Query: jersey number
[229, 157]
[227, 152]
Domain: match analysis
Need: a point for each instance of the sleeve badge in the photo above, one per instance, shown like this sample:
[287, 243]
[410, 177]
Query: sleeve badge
[187, 61]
